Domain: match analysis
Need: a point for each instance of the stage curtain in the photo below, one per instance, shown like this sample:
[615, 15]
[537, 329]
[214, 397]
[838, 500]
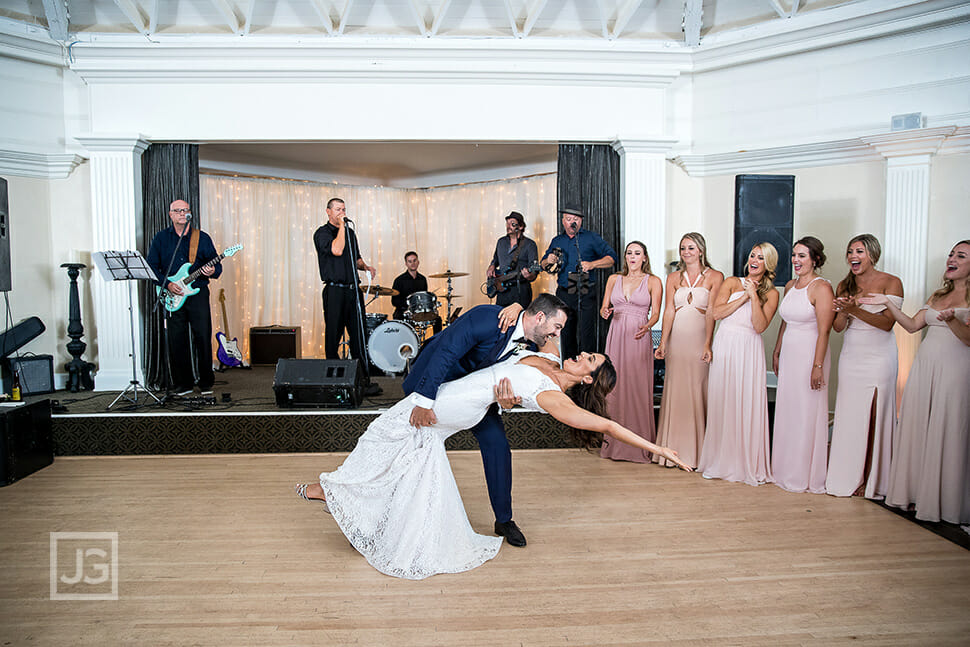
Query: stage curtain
[169, 172]
[275, 279]
[589, 180]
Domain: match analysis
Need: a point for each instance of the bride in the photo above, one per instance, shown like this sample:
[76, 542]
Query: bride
[395, 497]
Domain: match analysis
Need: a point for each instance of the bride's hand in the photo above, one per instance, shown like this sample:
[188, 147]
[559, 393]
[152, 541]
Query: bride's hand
[508, 316]
[504, 394]
[671, 455]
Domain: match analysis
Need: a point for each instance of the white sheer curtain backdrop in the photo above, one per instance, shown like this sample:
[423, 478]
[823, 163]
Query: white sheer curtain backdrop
[275, 280]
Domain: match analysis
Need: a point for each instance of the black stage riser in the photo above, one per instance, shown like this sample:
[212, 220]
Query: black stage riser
[121, 435]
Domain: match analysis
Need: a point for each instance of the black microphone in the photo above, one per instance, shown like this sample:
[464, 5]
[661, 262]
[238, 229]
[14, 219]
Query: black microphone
[348, 220]
[188, 217]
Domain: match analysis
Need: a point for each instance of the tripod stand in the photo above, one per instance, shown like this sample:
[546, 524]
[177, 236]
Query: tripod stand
[127, 266]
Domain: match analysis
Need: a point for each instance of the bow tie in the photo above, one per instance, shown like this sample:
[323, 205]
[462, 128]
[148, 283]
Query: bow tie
[519, 344]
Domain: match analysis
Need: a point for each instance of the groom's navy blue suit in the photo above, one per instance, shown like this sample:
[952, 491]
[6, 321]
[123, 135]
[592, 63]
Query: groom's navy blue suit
[472, 342]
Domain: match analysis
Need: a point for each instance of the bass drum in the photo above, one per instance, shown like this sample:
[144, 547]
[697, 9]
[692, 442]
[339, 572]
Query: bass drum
[392, 345]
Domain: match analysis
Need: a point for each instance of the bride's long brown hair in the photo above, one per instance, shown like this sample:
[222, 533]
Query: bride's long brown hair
[592, 397]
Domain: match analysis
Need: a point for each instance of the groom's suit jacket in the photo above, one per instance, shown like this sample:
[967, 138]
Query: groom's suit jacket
[472, 342]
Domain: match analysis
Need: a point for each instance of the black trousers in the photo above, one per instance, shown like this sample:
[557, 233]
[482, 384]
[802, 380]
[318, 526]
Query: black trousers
[190, 343]
[520, 293]
[343, 309]
[581, 337]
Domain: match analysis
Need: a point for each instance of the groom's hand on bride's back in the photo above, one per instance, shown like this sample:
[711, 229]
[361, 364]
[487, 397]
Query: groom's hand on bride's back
[421, 417]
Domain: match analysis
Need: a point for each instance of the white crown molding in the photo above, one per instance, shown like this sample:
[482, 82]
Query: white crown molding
[662, 145]
[30, 43]
[47, 166]
[114, 143]
[919, 141]
[956, 144]
[849, 151]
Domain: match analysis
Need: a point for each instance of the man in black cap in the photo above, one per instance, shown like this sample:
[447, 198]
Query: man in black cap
[509, 277]
[583, 252]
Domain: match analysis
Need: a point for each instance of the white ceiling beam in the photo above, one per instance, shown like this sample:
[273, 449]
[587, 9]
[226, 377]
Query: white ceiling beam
[511, 14]
[533, 15]
[133, 12]
[604, 29]
[344, 16]
[58, 19]
[419, 18]
[623, 15]
[794, 9]
[693, 17]
[324, 14]
[249, 17]
[153, 17]
[442, 9]
[228, 15]
[776, 5]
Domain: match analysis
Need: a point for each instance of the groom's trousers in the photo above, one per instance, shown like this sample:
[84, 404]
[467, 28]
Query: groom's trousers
[497, 460]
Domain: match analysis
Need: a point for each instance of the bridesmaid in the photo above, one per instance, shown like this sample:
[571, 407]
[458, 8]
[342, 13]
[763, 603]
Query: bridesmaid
[633, 298]
[865, 405]
[736, 442]
[801, 362]
[929, 466]
[685, 347]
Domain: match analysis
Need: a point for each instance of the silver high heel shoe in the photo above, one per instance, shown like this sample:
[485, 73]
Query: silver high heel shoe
[300, 489]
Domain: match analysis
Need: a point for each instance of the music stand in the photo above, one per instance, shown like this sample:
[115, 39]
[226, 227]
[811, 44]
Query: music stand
[127, 266]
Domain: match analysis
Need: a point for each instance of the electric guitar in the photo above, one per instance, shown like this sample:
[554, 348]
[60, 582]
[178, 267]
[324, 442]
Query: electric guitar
[496, 284]
[183, 279]
[228, 351]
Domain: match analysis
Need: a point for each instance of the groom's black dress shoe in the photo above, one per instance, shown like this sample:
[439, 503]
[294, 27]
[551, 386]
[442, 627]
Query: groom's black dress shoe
[511, 533]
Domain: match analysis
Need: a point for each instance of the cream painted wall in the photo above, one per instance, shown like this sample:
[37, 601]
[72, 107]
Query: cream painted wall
[949, 219]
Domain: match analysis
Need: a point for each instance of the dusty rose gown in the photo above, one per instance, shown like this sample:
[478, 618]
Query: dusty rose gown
[736, 441]
[801, 432]
[930, 460]
[631, 401]
[867, 379]
[683, 407]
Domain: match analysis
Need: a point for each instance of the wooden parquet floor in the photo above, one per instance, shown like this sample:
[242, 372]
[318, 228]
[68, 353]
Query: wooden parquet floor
[217, 550]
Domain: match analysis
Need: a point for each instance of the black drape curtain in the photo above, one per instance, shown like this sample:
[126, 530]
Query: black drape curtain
[589, 180]
[169, 172]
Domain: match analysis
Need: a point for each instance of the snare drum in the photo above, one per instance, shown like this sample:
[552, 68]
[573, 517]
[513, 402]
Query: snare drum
[371, 321]
[392, 345]
[422, 306]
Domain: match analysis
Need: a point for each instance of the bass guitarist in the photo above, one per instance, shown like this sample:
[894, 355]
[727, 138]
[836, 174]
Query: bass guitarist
[189, 327]
[508, 273]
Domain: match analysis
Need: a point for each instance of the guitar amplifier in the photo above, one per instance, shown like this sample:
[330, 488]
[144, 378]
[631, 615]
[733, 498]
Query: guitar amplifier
[36, 374]
[318, 383]
[269, 344]
[26, 441]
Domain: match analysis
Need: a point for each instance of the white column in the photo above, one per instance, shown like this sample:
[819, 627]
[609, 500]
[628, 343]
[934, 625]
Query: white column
[908, 154]
[116, 207]
[643, 196]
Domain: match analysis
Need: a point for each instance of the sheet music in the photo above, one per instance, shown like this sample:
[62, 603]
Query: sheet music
[123, 266]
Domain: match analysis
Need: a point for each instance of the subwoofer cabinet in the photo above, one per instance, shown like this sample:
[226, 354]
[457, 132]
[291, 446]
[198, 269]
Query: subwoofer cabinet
[318, 383]
[26, 440]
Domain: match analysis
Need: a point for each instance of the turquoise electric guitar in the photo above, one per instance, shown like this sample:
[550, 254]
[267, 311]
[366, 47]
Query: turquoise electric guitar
[183, 279]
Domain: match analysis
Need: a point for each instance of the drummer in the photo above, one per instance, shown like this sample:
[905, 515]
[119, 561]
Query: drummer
[406, 284]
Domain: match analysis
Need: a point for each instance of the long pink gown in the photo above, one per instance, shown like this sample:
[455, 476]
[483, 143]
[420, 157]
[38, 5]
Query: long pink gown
[631, 401]
[736, 440]
[801, 431]
[930, 460]
[867, 380]
[683, 407]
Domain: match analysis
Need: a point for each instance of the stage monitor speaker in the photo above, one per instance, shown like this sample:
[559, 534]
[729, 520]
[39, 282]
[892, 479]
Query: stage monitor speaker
[26, 440]
[318, 383]
[5, 282]
[764, 209]
[36, 374]
[269, 344]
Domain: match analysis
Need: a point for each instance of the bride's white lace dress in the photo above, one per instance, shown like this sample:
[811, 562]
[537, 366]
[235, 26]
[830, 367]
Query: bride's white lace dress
[395, 497]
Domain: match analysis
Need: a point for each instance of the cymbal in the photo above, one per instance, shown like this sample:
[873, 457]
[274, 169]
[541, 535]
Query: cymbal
[447, 275]
[380, 291]
[450, 296]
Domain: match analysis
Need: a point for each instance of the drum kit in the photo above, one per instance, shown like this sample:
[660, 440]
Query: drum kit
[393, 344]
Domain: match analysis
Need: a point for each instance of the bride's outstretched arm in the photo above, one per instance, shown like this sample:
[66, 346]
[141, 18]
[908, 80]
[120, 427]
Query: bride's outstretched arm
[563, 409]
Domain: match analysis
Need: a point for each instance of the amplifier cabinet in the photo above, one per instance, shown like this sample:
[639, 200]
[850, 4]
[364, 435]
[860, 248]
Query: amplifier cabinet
[269, 344]
[36, 374]
[318, 383]
[26, 441]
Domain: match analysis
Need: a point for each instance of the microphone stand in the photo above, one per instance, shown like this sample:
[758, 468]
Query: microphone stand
[578, 285]
[358, 300]
[166, 315]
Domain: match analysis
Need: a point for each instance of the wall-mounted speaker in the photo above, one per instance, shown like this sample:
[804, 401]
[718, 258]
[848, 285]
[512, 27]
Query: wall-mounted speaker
[764, 211]
[318, 383]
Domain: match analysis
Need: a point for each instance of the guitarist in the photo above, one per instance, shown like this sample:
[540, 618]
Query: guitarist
[514, 252]
[190, 327]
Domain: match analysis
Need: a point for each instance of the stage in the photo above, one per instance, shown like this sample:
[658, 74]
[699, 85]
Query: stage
[248, 422]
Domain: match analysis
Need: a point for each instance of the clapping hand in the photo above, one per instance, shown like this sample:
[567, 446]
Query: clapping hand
[874, 299]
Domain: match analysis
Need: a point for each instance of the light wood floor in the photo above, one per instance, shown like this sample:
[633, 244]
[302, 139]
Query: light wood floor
[216, 550]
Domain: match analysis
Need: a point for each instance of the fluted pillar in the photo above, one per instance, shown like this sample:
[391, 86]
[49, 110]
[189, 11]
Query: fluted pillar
[116, 208]
[908, 155]
[643, 196]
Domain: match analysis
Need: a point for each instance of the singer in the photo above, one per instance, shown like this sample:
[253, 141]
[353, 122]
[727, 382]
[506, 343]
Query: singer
[338, 257]
[189, 327]
[584, 253]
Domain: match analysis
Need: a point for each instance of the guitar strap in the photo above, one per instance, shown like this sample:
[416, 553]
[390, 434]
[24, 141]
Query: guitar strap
[514, 263]
[193, 245]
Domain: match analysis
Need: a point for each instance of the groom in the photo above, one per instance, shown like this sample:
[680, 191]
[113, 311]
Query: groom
[475, 341]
